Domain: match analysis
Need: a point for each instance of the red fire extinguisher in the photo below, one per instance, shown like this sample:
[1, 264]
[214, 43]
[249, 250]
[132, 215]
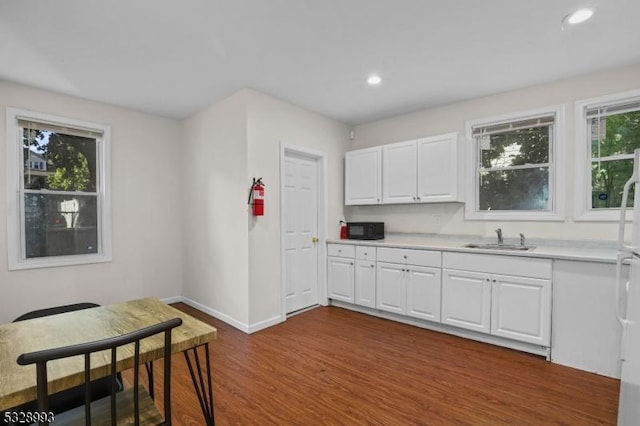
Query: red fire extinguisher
[343, 230]
[257, 194]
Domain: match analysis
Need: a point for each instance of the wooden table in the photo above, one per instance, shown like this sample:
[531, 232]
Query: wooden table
[18, 383]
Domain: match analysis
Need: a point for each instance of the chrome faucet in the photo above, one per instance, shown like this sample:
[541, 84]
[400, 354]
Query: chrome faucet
[521, 240]
[499, 232]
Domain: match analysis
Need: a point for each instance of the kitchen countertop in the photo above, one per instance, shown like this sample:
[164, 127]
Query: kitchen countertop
[581, 250]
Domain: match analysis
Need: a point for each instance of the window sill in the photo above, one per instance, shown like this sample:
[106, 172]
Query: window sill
[56, 261]
[602, 216]
[528, 216]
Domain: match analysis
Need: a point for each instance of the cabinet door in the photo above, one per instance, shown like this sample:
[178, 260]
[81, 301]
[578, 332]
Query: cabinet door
[423, 292]
[437, 169]
[362, 176]
[466, 300]
[521, 309]
[365, 286]
[400, 171]
[340, 277]
[391, 290]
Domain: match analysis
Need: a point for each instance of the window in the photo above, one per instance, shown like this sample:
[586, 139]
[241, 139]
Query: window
[514, 160]
[607, 133]
[59, 170]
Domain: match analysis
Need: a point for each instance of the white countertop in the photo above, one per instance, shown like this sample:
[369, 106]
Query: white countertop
[586, 250]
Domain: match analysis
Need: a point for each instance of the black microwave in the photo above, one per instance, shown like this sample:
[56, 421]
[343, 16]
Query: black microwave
[365, 230]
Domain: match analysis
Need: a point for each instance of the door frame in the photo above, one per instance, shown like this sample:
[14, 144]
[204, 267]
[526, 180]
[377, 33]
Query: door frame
[321, 159]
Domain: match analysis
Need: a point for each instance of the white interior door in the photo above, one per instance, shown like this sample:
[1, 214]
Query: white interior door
[300, 201]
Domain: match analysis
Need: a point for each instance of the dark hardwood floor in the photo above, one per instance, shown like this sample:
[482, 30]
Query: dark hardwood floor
[334, 366]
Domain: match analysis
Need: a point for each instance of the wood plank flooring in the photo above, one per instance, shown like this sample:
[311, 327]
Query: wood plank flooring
[333, 366]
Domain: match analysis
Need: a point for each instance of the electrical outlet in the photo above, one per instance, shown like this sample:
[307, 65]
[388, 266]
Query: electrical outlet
[436, 221]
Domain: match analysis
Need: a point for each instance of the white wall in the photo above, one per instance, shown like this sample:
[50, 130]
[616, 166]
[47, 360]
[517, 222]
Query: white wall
[231, 258]
[448, 218]
[181, 225]
[271, 122]
[215, 244]
[146, 212]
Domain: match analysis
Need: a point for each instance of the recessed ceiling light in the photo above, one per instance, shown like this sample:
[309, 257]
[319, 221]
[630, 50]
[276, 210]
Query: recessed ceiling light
[578, 16]
[374, 80]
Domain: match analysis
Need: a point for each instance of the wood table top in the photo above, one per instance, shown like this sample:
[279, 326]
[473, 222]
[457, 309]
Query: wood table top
[18, 383]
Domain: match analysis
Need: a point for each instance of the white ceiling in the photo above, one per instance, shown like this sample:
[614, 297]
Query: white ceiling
[173, 58]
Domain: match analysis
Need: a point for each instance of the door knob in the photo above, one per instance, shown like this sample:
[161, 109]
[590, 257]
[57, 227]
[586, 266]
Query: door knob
[315, 240]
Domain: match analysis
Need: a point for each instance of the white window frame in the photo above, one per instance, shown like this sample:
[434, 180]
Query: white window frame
[15, 163]
[556, 177]
[582, 211]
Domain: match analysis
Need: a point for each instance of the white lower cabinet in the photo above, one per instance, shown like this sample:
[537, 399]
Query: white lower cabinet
[341, 272]
[423, 292]
[340, 278]
[466, 300]
[490, 296]
[504, 296]
[521, 309]
[409, 282]
[392, 289]
[351, 274]
[365, 285]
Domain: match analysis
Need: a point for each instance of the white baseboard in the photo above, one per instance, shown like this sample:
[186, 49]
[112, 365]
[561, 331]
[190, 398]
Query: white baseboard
[174, 299]
[247, 328]
[217, 314]
[264, 324]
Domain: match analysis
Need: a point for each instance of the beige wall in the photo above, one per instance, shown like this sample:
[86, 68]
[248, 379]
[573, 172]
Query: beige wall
[271, 122]
[231, 258]
[448, 218]
[181, 224]
[146, 215]
[214, 204]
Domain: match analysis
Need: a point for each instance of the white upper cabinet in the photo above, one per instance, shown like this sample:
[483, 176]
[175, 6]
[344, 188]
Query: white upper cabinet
[423, 170]
[438, 179]
[399, 177]
[363, 176]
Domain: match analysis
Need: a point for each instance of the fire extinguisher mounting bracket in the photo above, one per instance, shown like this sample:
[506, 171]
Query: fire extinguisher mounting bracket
[257, 194]
[255, 182]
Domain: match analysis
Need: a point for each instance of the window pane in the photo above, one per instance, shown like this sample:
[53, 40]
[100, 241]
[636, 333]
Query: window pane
[515, 148]
[59, 225]
[58, 161]
[522, 189]
[607, 181]
[615, 134]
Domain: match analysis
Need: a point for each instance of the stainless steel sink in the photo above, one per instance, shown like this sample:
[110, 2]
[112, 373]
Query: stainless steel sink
[498, 247]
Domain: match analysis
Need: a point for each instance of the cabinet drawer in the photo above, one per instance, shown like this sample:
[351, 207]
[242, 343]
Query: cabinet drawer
[410, 256]
[496, 264]
[341, 250]
[366, 253]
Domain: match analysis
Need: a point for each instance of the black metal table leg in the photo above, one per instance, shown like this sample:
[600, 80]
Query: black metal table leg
[201, 382]
[149, 367]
